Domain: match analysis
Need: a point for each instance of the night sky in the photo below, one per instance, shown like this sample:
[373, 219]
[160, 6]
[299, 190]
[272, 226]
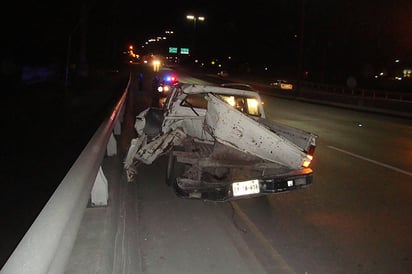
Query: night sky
[338, 35]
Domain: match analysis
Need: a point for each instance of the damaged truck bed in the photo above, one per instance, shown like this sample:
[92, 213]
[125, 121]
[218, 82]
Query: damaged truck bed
[220, 145]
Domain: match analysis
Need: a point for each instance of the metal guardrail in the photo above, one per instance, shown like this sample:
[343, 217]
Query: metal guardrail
[46, 246]
[368, 94]
[385, 102]
[361, 92]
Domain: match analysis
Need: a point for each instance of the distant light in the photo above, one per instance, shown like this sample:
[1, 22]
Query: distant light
[397, 61]
[169, 78]
[192, 17]
[407, 73]
[156, 65]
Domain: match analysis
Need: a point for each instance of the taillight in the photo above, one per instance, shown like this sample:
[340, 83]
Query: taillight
[306, 162]
[311, 150]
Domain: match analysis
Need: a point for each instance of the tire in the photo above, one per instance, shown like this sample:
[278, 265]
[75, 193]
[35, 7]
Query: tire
[174, 169]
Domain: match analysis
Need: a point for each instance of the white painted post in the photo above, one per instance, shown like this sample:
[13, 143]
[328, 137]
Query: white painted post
[100, 191]
[111, 146]
[117, 128]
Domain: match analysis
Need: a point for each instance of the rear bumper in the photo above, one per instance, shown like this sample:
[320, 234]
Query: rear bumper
[224, 192]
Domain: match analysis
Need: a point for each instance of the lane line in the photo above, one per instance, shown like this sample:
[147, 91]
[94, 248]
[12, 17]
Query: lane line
[372, 161]
[286, 269]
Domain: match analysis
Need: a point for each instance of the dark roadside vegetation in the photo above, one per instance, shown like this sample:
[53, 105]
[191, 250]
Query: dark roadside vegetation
[45, 125]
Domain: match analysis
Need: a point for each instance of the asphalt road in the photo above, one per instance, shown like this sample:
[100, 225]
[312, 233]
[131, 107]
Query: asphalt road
[147, 229]
[355, 218]
[357, 215]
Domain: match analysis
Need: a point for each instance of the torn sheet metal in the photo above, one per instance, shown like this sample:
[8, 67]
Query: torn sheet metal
[148, 152]
[235, 129]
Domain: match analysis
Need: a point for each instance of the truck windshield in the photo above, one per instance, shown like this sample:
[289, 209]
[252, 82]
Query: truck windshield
[246, 105]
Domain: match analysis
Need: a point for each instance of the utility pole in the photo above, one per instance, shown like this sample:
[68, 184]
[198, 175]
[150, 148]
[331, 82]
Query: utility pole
[299, 75]
[83, 64]
[194, 18]
[83, 67]
[68, 57]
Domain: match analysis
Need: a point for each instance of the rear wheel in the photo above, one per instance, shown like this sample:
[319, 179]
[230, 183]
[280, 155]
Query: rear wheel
[174, 168]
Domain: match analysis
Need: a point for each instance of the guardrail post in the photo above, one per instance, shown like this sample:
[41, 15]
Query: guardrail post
[111, 146]
[121, 114]
[100, 192]
[117, 127]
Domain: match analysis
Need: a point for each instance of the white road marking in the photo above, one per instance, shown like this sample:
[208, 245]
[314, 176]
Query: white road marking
[373, 161]
[277, 258]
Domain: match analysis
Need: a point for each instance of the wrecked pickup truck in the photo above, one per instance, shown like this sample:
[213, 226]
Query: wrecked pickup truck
[220, 145]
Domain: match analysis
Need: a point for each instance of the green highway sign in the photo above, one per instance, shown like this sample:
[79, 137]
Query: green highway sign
[172, 50]
[184, 50]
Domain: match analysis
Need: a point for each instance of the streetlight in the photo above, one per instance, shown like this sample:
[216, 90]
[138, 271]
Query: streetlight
[194, 18]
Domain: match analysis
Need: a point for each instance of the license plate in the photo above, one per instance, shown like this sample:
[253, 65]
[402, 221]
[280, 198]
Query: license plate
[245, 188]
